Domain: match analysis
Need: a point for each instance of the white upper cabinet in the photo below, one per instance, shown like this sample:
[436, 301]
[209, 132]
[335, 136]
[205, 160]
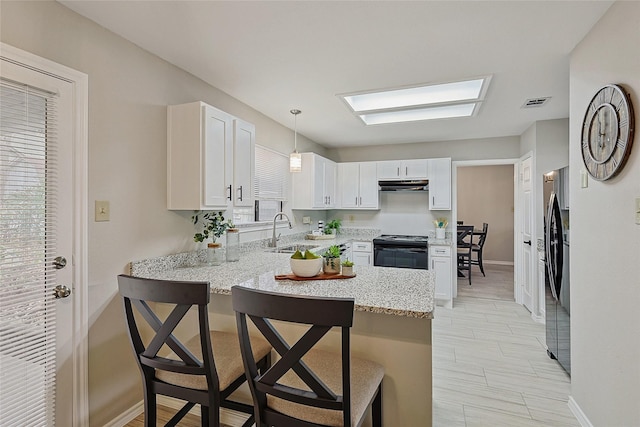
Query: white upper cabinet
[440, 184]
[358, 185]
[209, 158]
[315, 186]
[403, 169]
[243, 162]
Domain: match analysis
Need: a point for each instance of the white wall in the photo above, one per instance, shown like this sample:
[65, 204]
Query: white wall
[129, 90]
[469, 149]
[605, 241]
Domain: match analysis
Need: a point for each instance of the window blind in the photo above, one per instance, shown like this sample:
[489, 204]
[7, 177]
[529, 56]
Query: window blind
[28, 164]
[271, 179]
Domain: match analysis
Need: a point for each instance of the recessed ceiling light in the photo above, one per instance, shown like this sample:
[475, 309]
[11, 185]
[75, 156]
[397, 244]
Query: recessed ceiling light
[424, 102]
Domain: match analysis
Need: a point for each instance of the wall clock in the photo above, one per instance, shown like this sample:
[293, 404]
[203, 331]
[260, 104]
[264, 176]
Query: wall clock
[607, 132]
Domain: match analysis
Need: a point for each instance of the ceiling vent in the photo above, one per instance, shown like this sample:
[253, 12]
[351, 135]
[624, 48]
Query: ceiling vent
[535, 102]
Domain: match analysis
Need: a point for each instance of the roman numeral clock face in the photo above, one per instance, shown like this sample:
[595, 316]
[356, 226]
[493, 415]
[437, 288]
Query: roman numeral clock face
[607, 132]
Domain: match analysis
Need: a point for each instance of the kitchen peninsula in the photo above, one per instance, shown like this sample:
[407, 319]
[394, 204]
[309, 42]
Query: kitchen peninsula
[392, 319]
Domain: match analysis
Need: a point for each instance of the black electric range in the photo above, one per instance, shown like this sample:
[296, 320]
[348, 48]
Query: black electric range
[401, 251]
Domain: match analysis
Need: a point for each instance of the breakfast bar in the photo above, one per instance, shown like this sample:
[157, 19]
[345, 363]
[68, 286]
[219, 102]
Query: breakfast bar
[392, 319]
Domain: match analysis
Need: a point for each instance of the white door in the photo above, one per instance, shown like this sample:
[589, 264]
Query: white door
[35, 227]
[526, 224]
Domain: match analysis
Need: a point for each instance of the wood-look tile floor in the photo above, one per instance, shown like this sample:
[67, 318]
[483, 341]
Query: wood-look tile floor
[490, 366]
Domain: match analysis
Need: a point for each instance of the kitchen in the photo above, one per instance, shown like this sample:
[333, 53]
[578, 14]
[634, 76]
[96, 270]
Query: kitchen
[125, 168]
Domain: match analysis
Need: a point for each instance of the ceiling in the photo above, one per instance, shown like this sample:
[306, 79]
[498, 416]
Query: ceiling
[279, 55]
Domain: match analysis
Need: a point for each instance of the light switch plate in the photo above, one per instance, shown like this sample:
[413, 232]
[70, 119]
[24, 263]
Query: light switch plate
[306, 220]
[103, 211]
[584, 179]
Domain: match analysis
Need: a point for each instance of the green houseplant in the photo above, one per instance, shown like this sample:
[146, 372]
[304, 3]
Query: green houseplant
[332, 225]
[213, 226]
[331, 260]
[347, 268]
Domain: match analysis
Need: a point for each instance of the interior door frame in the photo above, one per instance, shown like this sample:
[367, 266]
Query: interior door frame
[454, 209]
[80, 83]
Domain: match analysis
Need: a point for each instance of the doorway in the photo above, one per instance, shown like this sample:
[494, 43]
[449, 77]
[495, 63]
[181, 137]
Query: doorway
[484, 191]
[43, 179]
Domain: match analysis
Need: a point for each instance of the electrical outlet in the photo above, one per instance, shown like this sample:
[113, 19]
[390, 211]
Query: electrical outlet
[638, 210]
[102, 210]
[306, 220]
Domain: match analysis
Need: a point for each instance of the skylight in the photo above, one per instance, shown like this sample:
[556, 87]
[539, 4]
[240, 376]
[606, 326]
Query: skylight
[426, 102]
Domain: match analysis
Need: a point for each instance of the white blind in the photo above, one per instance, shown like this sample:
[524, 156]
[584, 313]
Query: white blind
[28, 165]
[271, 180]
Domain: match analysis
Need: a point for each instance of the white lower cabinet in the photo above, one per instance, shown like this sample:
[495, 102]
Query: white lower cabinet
[442, 267]
[362, 253]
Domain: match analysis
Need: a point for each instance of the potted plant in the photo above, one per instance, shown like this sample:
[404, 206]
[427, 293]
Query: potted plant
[347, 268]
[213, 226]
[441, 224]
[333, 227]
[331, 260]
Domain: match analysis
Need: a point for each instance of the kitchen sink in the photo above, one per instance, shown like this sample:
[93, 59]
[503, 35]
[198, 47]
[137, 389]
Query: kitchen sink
[292, 248]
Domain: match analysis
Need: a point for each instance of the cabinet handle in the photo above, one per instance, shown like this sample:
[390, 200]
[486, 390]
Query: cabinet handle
[432, 265]
[240, 198]
[229, 196]
[360, 200]
[406, 170]
[356, 201]
[398, 170]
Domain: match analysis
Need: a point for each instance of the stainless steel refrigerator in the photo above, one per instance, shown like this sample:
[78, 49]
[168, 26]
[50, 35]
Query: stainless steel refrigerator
[557, 282]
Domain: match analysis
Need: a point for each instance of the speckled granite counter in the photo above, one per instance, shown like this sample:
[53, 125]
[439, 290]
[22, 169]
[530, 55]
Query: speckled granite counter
[392, 321]
[400, 292]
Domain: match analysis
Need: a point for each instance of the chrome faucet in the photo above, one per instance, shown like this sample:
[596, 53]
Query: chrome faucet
[274, 239]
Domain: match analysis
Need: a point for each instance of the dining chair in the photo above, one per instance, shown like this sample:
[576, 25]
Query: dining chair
[464, 247]
[478, 248]
[306, 387]
[203, 370]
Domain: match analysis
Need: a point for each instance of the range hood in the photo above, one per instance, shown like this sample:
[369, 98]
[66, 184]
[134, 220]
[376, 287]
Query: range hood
[404, 185]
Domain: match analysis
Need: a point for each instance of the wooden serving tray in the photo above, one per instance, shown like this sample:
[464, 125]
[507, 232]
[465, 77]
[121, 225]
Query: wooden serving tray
[321, 276]
[320, 237]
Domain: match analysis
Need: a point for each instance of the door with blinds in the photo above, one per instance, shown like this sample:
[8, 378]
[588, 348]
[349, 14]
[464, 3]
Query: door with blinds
[36, 235]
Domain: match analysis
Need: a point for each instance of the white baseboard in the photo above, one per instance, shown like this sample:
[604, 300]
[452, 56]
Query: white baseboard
[538, 319]
[488, 261]
[127, 416]
[577, 412]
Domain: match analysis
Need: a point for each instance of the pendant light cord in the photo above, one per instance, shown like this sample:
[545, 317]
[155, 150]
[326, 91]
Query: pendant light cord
[295, 129]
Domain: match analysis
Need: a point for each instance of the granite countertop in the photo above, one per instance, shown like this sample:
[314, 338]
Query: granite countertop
[394, 291]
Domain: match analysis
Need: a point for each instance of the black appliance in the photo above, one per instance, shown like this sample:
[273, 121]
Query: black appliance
[557, 310]
[404, 185]
[401, 251]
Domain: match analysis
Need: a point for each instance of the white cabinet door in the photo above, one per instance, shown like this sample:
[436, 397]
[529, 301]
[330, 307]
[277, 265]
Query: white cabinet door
[199, 141]
[362, 258]
[243, 162]
[362, 253]
[368, 188]
[389, 169]
[441, 266]
[349, 186]
[415, 169]
[358, 185]
[440, 184]
[403, 169]
[330, 178]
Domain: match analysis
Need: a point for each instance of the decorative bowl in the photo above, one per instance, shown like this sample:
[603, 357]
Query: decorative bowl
[306, 267]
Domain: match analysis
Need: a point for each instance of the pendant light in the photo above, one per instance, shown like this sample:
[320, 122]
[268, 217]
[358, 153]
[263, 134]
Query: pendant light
[295, 158]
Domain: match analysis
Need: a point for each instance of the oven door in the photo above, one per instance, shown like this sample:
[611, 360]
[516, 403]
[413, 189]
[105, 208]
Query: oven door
[400, 257]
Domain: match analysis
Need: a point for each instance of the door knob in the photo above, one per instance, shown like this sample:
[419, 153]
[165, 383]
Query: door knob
[59, 262]
[61, 291]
